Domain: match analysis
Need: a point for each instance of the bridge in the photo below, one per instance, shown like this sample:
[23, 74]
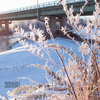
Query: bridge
[50, 9]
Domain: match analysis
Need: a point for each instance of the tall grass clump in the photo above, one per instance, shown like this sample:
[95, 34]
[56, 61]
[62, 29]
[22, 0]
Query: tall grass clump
[79, 77]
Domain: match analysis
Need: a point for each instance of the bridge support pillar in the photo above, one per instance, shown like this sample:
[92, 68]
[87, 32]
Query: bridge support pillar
[62, 22]
[52, 25]
[7, 25]
[0, 26]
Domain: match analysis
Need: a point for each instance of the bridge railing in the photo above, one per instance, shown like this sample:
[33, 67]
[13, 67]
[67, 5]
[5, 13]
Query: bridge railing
[42, 5]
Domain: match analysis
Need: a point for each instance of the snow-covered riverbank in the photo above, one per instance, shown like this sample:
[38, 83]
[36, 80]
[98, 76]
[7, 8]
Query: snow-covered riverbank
[14, 62]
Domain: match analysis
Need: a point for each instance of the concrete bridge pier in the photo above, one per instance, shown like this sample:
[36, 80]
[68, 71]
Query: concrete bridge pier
[53, 21]
[0, 26]
[62, 22]
[52, 25]
[7, 25]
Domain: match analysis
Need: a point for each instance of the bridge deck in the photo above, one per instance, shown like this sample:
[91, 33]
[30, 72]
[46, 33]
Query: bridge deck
[47, 9]
[42, 5]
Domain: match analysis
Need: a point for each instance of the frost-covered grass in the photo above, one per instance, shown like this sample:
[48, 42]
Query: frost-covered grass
[13, 64]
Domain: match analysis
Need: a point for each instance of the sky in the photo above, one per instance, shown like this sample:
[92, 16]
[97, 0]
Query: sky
[11, 4]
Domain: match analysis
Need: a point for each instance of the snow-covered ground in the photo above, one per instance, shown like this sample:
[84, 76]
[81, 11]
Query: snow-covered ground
[86, 35]
[13, 64]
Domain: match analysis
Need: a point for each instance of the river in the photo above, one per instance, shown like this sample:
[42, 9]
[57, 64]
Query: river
[6, 41]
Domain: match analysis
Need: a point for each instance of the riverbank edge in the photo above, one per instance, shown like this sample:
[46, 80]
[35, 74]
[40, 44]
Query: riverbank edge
[77, 38]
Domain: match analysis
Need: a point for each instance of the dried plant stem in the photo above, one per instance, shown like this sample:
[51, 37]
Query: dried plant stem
[44, 58]
[97, 94]
[94, 57]
[47, 52]
[67, 74]
[73, 40]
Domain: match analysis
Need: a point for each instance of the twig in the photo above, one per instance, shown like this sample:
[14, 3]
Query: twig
[67, 74]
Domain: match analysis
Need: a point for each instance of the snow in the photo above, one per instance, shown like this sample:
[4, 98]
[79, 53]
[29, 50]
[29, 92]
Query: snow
[85, 33]
[14, 62]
